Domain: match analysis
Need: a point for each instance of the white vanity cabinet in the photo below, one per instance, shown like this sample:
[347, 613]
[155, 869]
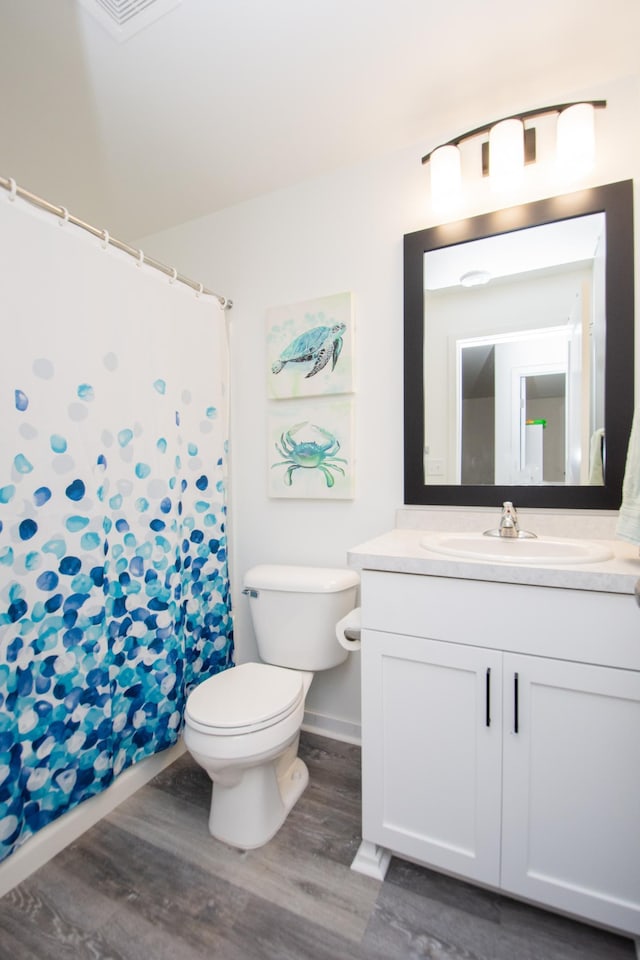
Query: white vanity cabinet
[430, 764]
[501, 737]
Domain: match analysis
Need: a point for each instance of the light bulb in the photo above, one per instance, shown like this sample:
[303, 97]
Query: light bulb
[446, 177]
[506, 154]
[576, 146]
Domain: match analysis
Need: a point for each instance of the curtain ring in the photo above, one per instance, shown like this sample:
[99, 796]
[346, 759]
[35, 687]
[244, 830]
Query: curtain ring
[174, 275]
[13, 187]
[140, 259]
[105, 239]
[64, 217]
[199, 290]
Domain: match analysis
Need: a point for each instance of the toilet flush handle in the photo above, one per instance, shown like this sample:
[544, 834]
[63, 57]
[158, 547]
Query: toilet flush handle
[248, 592]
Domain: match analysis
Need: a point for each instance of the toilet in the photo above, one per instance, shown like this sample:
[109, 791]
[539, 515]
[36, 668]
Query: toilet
[243, 725]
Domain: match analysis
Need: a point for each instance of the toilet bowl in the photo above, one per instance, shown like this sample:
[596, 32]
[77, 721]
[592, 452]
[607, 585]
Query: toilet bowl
[242, 726]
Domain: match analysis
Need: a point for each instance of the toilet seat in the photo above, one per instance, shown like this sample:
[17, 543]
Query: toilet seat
[244, 699]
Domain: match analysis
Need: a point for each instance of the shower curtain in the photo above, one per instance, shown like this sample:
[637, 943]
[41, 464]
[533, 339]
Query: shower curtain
[114, 593]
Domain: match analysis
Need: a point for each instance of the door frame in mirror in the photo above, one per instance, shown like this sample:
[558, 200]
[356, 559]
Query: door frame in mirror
[616, 201]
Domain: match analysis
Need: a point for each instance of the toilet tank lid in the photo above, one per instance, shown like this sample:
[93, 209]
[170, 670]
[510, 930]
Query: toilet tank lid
[294, 579]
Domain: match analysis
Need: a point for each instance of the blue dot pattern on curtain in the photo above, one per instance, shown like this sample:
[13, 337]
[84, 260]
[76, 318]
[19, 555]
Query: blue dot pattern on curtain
[114, 593]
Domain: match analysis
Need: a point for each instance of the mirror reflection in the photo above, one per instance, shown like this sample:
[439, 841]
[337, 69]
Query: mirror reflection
[514, 352]
[518, 354]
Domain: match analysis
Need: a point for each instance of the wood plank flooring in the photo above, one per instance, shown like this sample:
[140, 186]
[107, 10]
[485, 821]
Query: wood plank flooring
[149, 883]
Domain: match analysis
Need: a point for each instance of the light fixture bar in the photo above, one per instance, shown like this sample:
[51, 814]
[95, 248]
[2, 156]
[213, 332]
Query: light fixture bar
[556, 108]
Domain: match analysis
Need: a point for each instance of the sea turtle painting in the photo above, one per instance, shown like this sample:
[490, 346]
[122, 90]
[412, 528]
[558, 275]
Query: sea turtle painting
[316, 346]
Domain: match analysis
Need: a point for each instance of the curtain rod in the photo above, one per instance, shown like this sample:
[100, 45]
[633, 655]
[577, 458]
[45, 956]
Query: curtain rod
[62, 212]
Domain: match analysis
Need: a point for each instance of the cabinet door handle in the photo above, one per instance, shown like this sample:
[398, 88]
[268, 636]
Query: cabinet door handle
[488, 697]
[515, 703]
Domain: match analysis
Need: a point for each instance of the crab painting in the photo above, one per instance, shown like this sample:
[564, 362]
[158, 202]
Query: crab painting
[316, 346]
[308, 454]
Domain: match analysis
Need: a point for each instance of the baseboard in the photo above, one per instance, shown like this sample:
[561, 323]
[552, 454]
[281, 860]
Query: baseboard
[332, 727]
[49, 841]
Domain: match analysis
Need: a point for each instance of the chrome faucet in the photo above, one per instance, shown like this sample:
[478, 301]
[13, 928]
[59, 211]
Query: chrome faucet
[508, 526]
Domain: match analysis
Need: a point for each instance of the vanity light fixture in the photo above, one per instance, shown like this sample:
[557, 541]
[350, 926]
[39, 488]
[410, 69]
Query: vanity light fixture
[511, 144]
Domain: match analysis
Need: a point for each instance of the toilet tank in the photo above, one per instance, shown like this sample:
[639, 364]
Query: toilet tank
[295, 611]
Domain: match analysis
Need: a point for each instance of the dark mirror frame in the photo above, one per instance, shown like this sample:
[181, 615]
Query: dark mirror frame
[616, 201]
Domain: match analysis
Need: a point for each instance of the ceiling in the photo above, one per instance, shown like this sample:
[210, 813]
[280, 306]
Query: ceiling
[549, 246]
[219, 101]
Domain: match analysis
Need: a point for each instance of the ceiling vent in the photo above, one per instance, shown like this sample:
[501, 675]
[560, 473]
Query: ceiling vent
[123, 18]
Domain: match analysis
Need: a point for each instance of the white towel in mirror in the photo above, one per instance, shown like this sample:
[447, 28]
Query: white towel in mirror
[596, 474]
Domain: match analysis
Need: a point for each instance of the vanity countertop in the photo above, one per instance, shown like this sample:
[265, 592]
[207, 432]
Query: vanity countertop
[401, 551]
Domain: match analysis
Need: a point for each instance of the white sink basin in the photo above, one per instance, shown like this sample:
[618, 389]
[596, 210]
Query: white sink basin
[475, 546]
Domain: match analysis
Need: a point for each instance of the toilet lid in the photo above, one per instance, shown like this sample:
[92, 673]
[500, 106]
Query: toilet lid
[245, 698]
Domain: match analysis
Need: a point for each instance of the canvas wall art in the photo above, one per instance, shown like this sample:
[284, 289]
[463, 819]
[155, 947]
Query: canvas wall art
[310, 449]
[310, 348]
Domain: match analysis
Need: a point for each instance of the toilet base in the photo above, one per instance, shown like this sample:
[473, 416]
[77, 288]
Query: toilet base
[250, 813]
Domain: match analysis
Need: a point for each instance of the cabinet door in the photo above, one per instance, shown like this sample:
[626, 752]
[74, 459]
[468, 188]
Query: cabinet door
[431, 757]
[571, 768]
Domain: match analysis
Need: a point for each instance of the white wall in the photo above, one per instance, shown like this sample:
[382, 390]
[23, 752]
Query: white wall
[342, 232]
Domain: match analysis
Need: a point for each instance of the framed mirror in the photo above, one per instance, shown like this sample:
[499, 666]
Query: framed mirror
[518, 354]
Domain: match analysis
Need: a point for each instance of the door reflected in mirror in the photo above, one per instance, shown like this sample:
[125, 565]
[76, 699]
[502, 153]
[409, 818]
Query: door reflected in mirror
[518, 354]
[525, 407]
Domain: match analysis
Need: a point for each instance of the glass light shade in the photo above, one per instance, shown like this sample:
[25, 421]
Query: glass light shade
[506, 154]
[576, 142]
[446, 176]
